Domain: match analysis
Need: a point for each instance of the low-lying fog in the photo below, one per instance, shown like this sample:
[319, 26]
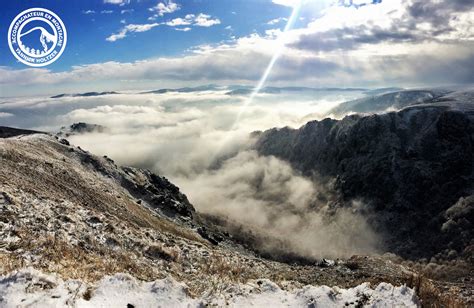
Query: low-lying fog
[183, 135]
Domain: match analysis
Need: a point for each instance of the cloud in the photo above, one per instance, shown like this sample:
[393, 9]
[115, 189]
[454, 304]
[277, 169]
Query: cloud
[288, 3]
[5, 115]
[179, 22]
[117, 2]
[203, 20]
[88, 12]
[106, 12]
[131, 28]
[269, 198]
[129, 11]
[357, 3]
[277, 20]
[390, 43]
[353, 27]
[192, 138]
[166, 7]
[353, 38]
[186, 29]
[117, 36]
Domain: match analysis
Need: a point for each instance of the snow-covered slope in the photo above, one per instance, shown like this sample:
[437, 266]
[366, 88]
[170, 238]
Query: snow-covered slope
[67, 212]
[29, 287]
[455, 99]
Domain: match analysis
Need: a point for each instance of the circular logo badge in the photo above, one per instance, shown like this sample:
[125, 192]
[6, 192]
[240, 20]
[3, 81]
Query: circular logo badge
[37, 37]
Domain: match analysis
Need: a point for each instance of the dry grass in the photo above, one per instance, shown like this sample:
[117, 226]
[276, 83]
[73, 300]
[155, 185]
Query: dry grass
[54, 183]
[226, 268]
[159, 251]
[9, 263]
[69, 261]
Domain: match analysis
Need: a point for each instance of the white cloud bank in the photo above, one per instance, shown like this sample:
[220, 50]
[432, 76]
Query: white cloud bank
[192, 138]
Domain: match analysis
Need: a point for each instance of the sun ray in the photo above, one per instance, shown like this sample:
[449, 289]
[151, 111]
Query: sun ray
[265, 75]
[271, 64]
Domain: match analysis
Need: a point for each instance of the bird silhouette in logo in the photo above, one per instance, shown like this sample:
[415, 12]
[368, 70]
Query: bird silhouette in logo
[45, 37]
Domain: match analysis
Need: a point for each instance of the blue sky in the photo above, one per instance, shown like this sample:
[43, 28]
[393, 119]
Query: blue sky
[141, 44]
[90, 22]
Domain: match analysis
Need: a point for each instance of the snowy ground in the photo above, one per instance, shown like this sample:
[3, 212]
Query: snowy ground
[31, 288]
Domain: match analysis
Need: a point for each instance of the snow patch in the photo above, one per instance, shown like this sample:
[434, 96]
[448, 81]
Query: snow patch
[29, 287]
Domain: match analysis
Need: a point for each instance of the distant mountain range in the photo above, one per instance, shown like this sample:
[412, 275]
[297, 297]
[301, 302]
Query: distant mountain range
[86, 94]
[230, 90]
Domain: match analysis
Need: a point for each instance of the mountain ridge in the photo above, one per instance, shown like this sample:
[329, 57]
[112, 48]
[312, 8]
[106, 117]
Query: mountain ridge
[68, 212]
[410, 166]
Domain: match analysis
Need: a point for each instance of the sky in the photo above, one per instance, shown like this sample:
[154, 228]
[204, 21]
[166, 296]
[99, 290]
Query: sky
[147, 44]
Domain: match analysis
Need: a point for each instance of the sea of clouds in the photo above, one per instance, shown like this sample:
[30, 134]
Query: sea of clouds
[202, 142]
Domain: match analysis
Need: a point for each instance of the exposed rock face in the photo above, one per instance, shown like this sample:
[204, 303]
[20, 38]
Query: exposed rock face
[156, 191]
[409, 166]
[81, 128]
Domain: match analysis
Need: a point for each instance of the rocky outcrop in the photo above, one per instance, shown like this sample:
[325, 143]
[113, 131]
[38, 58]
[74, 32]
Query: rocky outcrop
[410, 167]
[81, 128]
[156, 191]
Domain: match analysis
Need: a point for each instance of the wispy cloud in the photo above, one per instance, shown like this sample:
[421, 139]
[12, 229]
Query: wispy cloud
[203, 20]
[117, 2]
[179, 21]
[106, 12]
[186, 29]
[277, 21]
[289, 3]
[88, 12]
[166, 7]
[131, 28]
[5, 114]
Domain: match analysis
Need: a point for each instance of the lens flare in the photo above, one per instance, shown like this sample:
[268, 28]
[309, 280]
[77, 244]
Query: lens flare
[266, 73]
[271, 64]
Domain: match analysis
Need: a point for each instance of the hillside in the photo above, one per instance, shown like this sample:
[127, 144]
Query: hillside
[90, 228]
[413, 169]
